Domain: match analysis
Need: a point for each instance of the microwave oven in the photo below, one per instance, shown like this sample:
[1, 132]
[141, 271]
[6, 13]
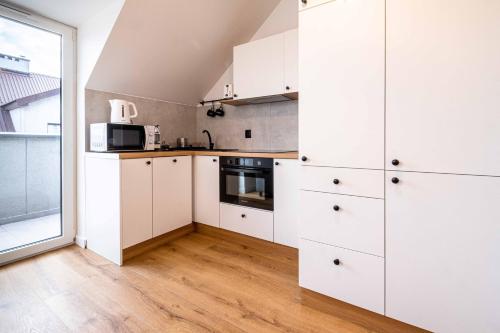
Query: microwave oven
[108, 137]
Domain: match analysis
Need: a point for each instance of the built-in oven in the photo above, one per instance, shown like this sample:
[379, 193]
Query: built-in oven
[247, 182]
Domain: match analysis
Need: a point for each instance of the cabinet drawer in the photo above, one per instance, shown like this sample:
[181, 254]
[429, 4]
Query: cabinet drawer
[357, 279]
[358, 224]
[361, 182]
[252, 222]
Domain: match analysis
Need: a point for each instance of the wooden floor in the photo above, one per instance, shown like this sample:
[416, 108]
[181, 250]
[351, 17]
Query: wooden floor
[198, 283]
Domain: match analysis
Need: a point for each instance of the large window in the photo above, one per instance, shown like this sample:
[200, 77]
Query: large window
[36, 134]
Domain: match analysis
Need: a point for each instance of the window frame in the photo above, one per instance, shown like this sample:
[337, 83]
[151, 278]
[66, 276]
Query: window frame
[68, 133]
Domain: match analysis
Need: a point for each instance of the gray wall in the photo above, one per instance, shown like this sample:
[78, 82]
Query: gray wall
[274, 126]
[175, 120]
[29, 176]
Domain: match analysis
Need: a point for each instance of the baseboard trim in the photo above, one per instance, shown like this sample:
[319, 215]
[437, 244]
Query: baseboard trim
[81, 242]
[158, 241]
[244, 239]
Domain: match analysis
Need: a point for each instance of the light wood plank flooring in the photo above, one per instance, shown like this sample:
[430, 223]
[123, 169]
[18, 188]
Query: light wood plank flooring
[202, 282]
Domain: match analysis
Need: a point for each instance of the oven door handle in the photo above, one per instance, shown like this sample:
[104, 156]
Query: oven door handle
[257, 172]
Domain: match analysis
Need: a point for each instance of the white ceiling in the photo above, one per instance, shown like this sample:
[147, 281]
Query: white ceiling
[175, 50]
[70, 12]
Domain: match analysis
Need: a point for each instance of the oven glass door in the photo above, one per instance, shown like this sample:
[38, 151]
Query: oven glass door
[126, 137]
[247, 187]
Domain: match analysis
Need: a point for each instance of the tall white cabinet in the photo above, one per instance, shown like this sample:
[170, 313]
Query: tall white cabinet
[341, 144]
[341, 70]
[412, 184]
[443, 99]
[442, 121]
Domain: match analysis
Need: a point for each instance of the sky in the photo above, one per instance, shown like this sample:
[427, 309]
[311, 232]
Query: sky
[41, 47]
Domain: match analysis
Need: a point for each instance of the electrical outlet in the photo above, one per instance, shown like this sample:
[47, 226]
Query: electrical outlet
[248, 134]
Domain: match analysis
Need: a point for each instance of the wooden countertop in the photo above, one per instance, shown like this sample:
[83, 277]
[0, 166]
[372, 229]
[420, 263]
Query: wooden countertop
[151, 154]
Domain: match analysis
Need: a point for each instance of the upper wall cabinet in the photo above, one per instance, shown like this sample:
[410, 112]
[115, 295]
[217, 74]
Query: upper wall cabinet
[306, 4]
[342, 73]
[266, 67]
[443, 101]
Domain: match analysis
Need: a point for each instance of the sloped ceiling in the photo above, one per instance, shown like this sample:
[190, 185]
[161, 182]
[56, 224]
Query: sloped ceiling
[175, 50]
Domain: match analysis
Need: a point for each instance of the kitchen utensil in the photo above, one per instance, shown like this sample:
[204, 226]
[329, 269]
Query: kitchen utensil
[120, 111]
[182, 142]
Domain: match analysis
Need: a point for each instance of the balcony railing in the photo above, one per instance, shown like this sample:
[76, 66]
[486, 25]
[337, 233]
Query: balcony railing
[29, 176]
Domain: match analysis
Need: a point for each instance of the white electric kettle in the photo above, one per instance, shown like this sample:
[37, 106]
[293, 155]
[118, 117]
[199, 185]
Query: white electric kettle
[120, 111]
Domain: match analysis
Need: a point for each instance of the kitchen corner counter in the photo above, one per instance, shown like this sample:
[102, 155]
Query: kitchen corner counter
[151, 154]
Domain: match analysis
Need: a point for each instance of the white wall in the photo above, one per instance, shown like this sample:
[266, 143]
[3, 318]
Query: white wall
[284, 17]
[33, 118]
[91, 39]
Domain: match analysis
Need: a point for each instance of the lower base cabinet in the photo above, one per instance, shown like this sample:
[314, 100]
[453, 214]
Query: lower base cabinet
[443, 251]
[248, 221]
[129, 201]
[349, 276]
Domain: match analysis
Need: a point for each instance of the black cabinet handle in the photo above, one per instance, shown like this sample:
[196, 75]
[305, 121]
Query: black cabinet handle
[214, 160]
[336, 181]
[303, 158]
[287, 87]
[235, 95]
[336, 208]
[148, 163]
[243, 216]
[395, 180]
[395, 162]
[276, 163]
[336, 262]
[304, 2]
[174, 160]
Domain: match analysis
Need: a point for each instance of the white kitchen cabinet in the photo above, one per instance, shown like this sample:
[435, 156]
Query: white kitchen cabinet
[136, 200]
[307, 4]
[350, 222]
[359, 182]
[267, 66]
[253, 222]
[442, 86]
[442, 251]
[172, 193]
[342, 74]
[286, 202]
[350, 276]
[206, 190]
[129, 201]
[291, 60]
[258, 68]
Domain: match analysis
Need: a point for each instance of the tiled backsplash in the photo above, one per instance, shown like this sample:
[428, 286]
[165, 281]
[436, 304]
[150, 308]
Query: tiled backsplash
[273, 126]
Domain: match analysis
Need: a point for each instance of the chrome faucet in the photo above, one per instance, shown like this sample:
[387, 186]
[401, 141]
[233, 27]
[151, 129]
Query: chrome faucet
[210, 143]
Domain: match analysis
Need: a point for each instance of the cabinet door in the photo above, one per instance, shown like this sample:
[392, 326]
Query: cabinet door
[172, 190]
[258, 68]
[206, 190]
[286, 201]
[136, 201]
[291, 58]
[442, 251]
[342, 73]
[443, 98]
